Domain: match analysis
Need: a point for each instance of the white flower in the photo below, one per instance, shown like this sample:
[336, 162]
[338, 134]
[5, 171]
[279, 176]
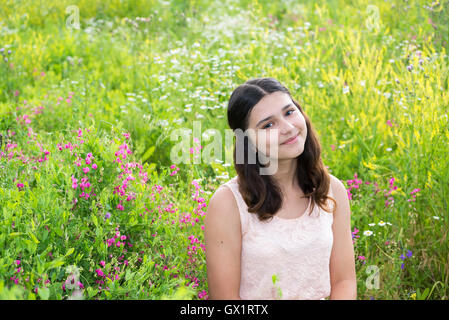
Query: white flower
[345, 89]
[436, 217]
[371, 224]
[367, 233]
[163, 123]
[362, 83]
[389, 223]
[381, 223]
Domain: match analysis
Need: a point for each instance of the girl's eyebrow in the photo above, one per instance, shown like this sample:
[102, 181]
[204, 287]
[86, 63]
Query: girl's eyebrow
[267, 118]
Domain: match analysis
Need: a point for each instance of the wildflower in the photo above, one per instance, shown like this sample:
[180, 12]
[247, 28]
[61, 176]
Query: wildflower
[20, 185]
[409, 254]
[367, 233]
[86, 169]
[17, 262]
[107, 215]
[345, 89]
[436, 217]
[102, 263]
[94, 166]
[381, 223]
[99, 272]
[402, 257]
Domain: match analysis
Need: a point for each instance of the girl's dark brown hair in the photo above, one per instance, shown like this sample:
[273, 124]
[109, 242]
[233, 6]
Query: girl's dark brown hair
[261, 192]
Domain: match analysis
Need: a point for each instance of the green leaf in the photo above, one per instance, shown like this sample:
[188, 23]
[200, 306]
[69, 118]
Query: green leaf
[148, 154]
[91, 292]
[151, 167]
[44, 293]
[129, 275]
[58, 231]
[424, 294]
[15, 234]
[69, 252]
[94, 219]
[33, 237]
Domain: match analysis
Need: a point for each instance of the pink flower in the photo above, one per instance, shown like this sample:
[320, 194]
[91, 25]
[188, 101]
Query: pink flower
[20, 185]
[86, 169]
[17, 262]
[102, 263]
[94, 166]
[99, 272]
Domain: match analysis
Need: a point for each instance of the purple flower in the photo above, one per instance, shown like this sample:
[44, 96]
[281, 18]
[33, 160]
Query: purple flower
[409, 68]
[107, 215]
[409, 254]
[402, 257]
[402, 266]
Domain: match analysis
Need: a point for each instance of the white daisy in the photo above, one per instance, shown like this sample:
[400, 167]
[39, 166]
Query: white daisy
[436, 217]
[371, 224]
[367, 233]
[381, 223]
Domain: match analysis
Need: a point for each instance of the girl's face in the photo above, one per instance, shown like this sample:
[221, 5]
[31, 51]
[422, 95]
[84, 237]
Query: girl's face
[274, 120]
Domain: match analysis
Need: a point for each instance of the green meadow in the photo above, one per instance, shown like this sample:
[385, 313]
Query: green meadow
[92, 203]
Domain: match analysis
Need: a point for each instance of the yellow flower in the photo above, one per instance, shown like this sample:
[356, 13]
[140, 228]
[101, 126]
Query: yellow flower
[413, 296]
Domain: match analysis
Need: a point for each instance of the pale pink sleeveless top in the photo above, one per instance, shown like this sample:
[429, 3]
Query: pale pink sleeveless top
[296, 250]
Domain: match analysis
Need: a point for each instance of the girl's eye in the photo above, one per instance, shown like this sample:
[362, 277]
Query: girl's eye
[292, 110]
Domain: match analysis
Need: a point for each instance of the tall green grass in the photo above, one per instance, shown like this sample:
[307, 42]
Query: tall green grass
[374, 86]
